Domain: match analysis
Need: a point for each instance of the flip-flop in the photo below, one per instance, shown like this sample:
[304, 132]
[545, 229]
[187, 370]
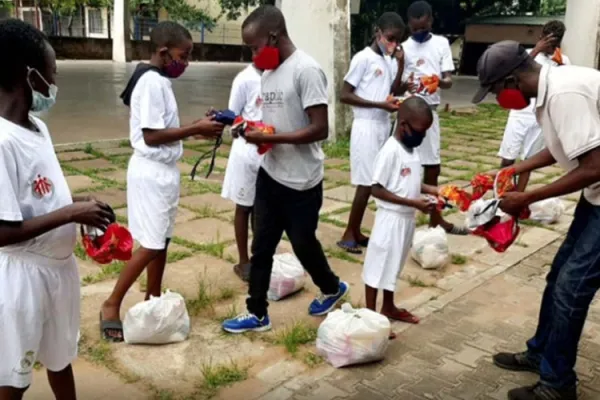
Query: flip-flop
[404, 316]
[107, 326]
[242, 271]
[459, 231]
[350, 246]
[363, 242]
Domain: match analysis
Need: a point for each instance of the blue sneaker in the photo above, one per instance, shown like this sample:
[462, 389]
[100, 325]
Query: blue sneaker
[325, 303]
[247, 322]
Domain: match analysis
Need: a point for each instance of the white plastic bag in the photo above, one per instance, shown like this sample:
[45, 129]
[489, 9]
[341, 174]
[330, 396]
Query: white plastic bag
[481, 212]
[160, 320]
[547, 211]
[350, 336]
[287, 277]
[430, 248]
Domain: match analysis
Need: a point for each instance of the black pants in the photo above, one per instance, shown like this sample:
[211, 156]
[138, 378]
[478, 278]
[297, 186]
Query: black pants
[279, 209]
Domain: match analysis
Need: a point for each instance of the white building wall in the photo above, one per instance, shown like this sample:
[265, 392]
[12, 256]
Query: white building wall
[582, 39]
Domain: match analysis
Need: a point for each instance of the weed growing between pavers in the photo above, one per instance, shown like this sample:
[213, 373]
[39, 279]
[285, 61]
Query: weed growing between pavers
[416, 282]
[174, 256]
[222, 375]
[459, 259]
[206, 296]
[109, 271]
[341, 255]
[312, 359]
[295, 336]
[216, 249]
[339, 149]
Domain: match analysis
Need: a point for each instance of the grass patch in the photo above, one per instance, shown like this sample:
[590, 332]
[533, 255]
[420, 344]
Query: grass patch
[109, 271]
[124, 143]
[422, 219]
[325, 218]
[339, 149]
[292, 338]
[341, 254]
[416, 282]
[458, 259]
[232, 312]
[174, 256]
[206, 297]
[312, 359]
[218, 376]
[216, 249]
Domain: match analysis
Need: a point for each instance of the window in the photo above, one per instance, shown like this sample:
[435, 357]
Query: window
[95, 21]
[29, 17]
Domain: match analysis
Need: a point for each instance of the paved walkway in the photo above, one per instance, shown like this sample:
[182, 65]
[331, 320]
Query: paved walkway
[481, 303]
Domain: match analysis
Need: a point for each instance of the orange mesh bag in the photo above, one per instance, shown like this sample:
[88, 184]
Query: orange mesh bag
[115, 244]
[504, 181]
[481, 184]
[557, 56]
[457, 196]
[431, 83]
[241, 126]
[393, 100]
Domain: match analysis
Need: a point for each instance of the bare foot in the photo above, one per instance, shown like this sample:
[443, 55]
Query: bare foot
[400, 314]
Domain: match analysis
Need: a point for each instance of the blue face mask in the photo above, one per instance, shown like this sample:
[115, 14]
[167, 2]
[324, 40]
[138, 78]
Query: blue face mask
[421, 36]
[40, 102]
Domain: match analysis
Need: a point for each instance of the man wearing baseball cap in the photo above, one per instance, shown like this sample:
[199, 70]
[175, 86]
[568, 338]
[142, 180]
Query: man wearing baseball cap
[567, 101]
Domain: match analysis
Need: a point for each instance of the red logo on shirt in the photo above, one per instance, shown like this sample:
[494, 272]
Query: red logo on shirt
[378, 72]
[42, 187]
[259, 101]
[420, 62]
[405, 172]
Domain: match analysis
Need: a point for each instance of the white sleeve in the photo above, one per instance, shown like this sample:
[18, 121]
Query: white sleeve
[383, 167]
[579, 133]
[153, 107]
[237, 97]
[10, 209]
[358, 67]
[447, 64]
[566, 60]
[312, 85]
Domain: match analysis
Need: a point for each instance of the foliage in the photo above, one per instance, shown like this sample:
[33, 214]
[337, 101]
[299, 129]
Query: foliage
[232, 9]
[191, 16]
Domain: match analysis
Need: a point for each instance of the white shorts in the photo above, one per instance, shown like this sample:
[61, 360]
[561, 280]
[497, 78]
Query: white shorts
[429, 150]
[366, 139]
[39, 315]
[389, 245]
[152, 201]
[239, 184]
[522, 137]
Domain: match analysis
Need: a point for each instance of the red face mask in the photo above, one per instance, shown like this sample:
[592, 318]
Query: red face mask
[512, 99]
[267, 58]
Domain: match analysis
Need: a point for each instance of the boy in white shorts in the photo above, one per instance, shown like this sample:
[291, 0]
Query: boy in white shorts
[428, 57]
[152, 175]
[397, 190]
[523, 135]
[39, 279]
[244, 161]
[372, 77]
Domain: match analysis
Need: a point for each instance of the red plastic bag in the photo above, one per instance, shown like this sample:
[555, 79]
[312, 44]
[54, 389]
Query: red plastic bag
[115, 244]
[481, 184]
[499, 234]
[242, 125]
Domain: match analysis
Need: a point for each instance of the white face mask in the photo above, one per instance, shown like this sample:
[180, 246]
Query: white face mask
[40, 102]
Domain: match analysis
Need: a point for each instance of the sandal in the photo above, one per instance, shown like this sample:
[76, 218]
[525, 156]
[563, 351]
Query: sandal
[364, 242]
[108, 329]
[350, 246]
[403, 315]
[459, 231]
[242, 271]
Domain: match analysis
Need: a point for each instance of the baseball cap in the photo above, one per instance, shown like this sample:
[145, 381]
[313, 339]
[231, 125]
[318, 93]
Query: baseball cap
[496, 63]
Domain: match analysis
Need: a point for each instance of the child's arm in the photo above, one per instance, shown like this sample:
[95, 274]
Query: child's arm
[429, 189]
[447, 66]
[398, 87]
[90, 213]
[379, 192]
[207, 128]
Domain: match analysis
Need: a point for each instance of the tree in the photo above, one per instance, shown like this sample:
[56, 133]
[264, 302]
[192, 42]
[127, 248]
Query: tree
[181, 11]
[232, 9]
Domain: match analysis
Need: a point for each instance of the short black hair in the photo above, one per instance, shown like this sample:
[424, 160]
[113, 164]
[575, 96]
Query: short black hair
[168, 34]
[269, 18]
[555, 28]
[22, 46]
[390, 20]
[416, 106]
[419, 9]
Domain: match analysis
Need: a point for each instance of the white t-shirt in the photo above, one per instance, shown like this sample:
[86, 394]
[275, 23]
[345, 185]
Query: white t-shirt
[33, 185]
[297, 84]
[245, 99]
[568, 110]
[434, 57]
[371, 75]
[529, 112]
[153, 106]
[399, 171]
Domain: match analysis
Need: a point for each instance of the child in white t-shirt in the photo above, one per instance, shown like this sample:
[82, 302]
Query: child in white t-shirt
[372, 77]
[39, 278]
[244, 161]
[428, 67]
[397, 190]
[523, 135]
[152, 175]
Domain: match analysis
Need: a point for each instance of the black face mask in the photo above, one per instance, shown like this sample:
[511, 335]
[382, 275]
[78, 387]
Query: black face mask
[412, 138]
